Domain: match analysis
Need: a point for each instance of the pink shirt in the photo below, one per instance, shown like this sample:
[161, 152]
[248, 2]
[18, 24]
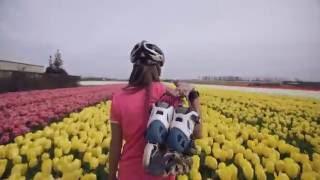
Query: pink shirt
[128, 110]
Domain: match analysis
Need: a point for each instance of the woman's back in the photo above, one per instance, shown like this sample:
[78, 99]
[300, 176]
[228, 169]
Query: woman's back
[129, 111]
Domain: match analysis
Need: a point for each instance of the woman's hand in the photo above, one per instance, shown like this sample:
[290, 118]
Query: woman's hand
[172, 92]
[184, 88]
[194, 103]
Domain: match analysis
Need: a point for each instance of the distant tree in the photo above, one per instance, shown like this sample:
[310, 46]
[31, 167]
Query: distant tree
[55, 67]
[58, 62]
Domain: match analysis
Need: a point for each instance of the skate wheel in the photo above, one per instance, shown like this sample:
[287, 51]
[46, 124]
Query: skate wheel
[148, 153]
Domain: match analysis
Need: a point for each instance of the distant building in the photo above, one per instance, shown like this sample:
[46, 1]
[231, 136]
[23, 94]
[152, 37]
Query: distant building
[18, 66]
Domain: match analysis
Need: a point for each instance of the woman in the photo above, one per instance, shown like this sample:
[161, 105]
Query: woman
[129, 113]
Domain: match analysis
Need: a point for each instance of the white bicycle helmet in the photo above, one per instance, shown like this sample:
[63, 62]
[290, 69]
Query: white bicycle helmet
[181, 128]
[159, 121]
[147, 53]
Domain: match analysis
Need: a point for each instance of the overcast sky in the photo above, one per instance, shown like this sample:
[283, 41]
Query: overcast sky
[273, 38]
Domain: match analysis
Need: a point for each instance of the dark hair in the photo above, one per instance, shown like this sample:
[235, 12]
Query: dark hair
[142, 77]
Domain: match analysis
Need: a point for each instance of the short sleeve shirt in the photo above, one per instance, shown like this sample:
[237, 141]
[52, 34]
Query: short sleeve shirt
[128, 109]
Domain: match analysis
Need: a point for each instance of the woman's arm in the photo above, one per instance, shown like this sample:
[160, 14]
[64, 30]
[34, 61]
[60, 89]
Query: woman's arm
[195, 105]
[182, 89]
[172, 92]
[115, 150]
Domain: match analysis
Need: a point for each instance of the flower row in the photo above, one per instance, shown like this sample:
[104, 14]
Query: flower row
[22, 112]
[74, 148]
[295, 120]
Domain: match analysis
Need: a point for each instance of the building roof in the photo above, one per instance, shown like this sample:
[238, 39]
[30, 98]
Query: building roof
[20, 63]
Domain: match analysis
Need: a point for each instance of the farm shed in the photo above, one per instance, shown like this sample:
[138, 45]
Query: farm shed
[18, 66]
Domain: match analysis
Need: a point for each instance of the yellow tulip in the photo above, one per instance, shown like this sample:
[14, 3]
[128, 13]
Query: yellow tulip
[282, 176]
[13, 151]
[233, 171]
[291, 168]
[56, 163]
[238, 157]
[216, 152]
[248, 154]
[17, 159]
[58, 152]
[310, 175]
[280, 165]
[18, 140]
[260, 174]
[283, 148]
[41, 176]
[207, 150]
[220, 138]
[251, 144]
[102, 159]
[255, 159]
[106, 143]
[182, 177]
[76, 164]
[16, 177]
[230, 153]
[20, 169]
[38, 150]
[48, 132]
[198, 149]
[94, 162]
[269, 165]
[195, 162]
[244, 135]
[98, 138]
[76, 174]
[33, 162]
[316, 165]
[216, 146]
[227, 172]
[211, 162]
[302, 158]
[224, 174]
[221, 165]
[87, 156]
[223, 155]
[3, 151]
[306, 167]
[3, 166]
[48, 144]
[89, 176]
[45, 156]
[195, 174]
[248, 171]
[96, 151]
[46, 166]
[66, 147]
[82, 147]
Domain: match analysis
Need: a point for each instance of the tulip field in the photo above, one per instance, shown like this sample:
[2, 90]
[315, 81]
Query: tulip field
[21, 112]
[65, 134]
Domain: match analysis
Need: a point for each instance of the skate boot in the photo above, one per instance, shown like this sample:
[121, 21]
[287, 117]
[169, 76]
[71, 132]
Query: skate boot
[160, 118]
[181, 128]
